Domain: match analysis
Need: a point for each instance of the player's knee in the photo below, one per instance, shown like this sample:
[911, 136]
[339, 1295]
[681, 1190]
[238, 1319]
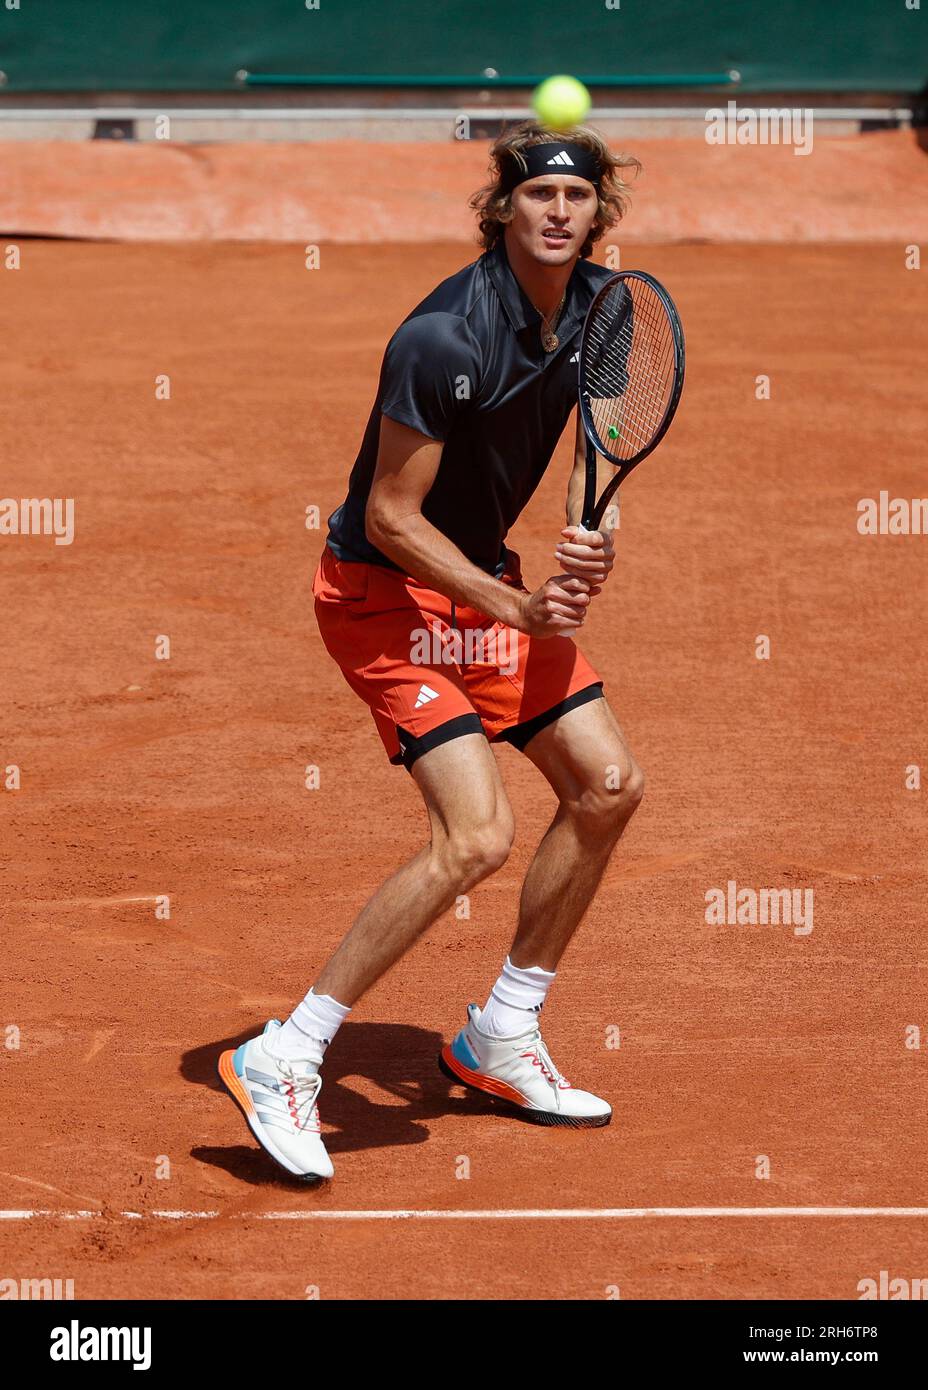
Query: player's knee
[604, 811]
[481, 849]
[633, 789]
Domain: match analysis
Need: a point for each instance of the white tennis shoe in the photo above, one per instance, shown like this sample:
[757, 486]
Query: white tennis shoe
[279, 1099]
[520, 1071]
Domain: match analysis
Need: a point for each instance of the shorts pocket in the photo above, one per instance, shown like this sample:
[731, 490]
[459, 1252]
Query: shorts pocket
[340, 581]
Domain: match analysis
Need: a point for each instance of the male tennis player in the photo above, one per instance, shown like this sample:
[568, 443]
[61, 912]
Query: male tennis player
[423, 608]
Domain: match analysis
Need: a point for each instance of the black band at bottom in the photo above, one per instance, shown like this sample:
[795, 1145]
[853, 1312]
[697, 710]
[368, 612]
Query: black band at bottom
[520, 734]
[412, 748]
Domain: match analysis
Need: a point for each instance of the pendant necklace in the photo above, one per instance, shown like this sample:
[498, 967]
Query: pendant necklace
[549, 339]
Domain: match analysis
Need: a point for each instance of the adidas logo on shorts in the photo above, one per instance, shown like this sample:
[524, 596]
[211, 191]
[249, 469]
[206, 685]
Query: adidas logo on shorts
[426, 693]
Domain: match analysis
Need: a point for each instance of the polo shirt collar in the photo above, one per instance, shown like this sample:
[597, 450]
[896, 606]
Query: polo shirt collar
[517, 306]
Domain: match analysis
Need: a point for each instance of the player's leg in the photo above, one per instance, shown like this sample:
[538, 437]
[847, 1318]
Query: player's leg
[500, 1050]
[276, 1077]
[471, 829]
[586, 759]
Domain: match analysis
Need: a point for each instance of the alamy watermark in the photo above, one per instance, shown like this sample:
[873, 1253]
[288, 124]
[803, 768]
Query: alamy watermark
[892, 516]
[732, 906]
[892, 1288]
[38, 516]
[766, 125]
[85, 1343]
[471, 646]
[33, 1290]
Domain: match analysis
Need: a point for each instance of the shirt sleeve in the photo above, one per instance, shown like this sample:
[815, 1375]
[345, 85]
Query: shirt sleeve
[430, 374]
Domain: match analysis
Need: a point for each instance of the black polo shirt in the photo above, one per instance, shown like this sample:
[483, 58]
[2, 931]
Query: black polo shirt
[467, 367]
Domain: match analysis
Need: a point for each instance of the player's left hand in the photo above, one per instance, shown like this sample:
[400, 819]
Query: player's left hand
[588, 555]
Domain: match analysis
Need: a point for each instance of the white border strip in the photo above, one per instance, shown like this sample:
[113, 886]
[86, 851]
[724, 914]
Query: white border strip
[511, 1214]
[421, 113]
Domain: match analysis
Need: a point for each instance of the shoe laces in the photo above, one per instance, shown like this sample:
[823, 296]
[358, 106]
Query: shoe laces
[538, 1054]
[302, 1092]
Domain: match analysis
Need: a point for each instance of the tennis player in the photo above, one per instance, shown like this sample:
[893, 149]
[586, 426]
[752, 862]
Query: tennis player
[424, 609]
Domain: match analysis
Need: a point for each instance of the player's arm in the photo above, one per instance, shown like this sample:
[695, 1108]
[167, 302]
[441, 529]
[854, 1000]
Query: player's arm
[591, 556]
[407, 464]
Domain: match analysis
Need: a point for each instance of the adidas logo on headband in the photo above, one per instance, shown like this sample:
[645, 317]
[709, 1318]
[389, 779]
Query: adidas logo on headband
[561, 156]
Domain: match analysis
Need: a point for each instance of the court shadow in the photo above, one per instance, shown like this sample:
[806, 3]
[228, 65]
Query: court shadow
[252, 1165]
[382, 1086]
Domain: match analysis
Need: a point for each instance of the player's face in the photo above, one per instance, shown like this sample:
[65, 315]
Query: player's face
[552, 216]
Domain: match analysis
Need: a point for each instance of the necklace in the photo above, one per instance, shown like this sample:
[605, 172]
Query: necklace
[549, 339]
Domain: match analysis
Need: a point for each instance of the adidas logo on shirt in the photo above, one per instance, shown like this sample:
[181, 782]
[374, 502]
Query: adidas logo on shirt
[562, 157]
[576, 357]
[426, 693]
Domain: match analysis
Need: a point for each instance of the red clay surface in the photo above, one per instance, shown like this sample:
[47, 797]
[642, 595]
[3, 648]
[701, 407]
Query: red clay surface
[736, 1041]
[846, 188]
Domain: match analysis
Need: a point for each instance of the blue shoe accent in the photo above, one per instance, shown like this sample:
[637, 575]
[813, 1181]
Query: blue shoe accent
[238, 1060]
[462, 1052]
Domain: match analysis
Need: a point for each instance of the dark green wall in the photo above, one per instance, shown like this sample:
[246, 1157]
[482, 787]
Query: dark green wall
[61, 45]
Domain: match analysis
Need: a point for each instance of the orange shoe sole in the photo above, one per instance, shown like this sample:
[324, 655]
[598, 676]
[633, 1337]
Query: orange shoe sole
[510, 1097]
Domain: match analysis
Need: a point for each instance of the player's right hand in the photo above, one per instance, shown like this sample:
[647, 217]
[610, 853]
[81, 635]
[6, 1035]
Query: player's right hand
[558, 606]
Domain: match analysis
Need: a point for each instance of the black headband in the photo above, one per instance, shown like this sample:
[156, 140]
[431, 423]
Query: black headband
[558, 157]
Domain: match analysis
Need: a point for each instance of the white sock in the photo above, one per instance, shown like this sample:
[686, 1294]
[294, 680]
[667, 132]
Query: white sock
[310, 1028]
[515, 1000]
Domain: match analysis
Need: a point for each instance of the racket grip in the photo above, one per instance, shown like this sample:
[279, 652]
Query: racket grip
[583, 532]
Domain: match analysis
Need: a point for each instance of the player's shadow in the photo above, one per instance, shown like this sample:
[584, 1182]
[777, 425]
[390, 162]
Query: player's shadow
[382, 1086]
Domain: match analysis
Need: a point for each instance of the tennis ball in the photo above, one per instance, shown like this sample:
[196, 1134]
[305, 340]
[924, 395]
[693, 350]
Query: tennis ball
[561, 102]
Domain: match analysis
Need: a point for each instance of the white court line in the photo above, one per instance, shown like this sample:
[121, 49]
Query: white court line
[510, 1214]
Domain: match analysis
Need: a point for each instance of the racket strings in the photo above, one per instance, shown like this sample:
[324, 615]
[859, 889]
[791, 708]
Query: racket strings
[628, 350]
[630, 368]
[640, 408]
[631, 389]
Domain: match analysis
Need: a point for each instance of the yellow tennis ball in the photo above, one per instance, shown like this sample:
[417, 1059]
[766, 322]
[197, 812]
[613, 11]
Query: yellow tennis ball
[561, 102]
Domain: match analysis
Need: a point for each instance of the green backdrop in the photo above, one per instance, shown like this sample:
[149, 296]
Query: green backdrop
[113, 45]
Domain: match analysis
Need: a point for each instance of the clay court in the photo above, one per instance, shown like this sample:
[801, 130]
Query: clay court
[123, 1165]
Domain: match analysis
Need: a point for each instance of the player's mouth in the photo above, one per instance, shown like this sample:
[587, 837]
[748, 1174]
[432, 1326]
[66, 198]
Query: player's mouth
[555, 236]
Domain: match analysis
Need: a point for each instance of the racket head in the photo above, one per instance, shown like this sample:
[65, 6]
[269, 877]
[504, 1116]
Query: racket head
[630, 374]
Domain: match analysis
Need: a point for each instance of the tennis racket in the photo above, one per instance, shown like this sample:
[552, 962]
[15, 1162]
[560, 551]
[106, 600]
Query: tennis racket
[630, 379]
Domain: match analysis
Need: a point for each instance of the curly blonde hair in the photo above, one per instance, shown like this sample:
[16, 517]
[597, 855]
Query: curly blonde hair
[493, 202]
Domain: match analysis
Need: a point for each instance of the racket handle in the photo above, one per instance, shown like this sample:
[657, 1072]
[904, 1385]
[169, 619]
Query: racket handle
[582, 530]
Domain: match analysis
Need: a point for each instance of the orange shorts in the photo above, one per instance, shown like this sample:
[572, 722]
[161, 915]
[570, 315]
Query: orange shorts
[433, 671]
